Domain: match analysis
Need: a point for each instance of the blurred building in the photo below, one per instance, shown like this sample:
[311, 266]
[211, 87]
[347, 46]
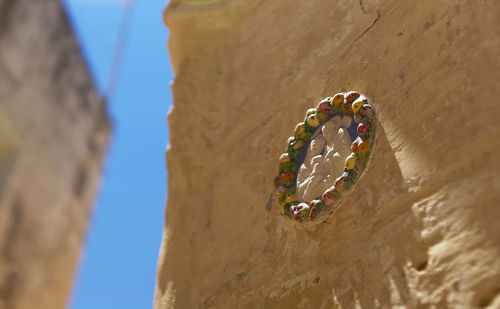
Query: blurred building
[53, 135]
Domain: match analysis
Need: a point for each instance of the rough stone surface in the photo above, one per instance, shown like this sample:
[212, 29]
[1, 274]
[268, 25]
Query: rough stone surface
[419, 229]
[53, 135]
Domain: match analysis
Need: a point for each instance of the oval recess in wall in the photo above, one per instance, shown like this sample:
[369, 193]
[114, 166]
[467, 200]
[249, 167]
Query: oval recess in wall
[325, 156]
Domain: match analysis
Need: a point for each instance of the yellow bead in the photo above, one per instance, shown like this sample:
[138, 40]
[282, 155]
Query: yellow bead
[290, 199]
[313, 121]
[300, 129]
[311, 111]
[338, 99]
[350, 161]
[356, 105]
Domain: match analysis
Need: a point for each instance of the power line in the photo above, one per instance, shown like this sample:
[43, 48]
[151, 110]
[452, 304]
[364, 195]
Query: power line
[119, 50]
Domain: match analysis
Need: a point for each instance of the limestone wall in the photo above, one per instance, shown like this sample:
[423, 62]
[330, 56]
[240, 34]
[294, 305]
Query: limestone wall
[420, 228]
[53, 135]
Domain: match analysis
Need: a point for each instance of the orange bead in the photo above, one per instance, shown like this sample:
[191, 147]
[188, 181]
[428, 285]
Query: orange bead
[338, 99]
[286, 177]
[354, 146]
[363, 146]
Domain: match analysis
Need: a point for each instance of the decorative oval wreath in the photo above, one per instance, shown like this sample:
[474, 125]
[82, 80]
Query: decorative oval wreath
[362, 134]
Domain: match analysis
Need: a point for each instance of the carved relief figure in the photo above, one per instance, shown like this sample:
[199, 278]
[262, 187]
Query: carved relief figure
[325, 160]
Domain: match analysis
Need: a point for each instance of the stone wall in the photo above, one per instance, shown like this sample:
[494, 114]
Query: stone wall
[53, 136]
[418, 231]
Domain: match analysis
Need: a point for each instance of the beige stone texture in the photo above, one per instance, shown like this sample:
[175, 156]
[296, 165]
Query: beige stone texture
[419, 230]
[53, 136]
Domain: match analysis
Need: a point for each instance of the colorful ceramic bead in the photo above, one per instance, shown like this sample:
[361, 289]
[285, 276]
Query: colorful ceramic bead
[339, 184]
[358, 165]
[313, 121]
[366, 110]
[363, 128]
[347, 108]
[282, 189]
[287, 177]
[313, 213]
[300, 211]
[284, 158]
[357, 104]
[350, 178]
[300, 129]
[350, 161]
[354, 146]
[322, 117]
[314, 205]
[338, 99]
[290, 199]
[324, 106]
[311, 111]
[297, 144]
[351, 96]
[304, 212]
[328, 197]
[363, 146]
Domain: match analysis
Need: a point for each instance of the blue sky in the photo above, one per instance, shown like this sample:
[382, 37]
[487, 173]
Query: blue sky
[118, 262]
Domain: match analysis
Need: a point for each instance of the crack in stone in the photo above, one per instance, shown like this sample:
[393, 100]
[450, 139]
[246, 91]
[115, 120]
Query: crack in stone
[369, 27]
[361, 34]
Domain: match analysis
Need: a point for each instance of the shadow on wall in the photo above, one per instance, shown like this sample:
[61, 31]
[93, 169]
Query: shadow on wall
[378, 257]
